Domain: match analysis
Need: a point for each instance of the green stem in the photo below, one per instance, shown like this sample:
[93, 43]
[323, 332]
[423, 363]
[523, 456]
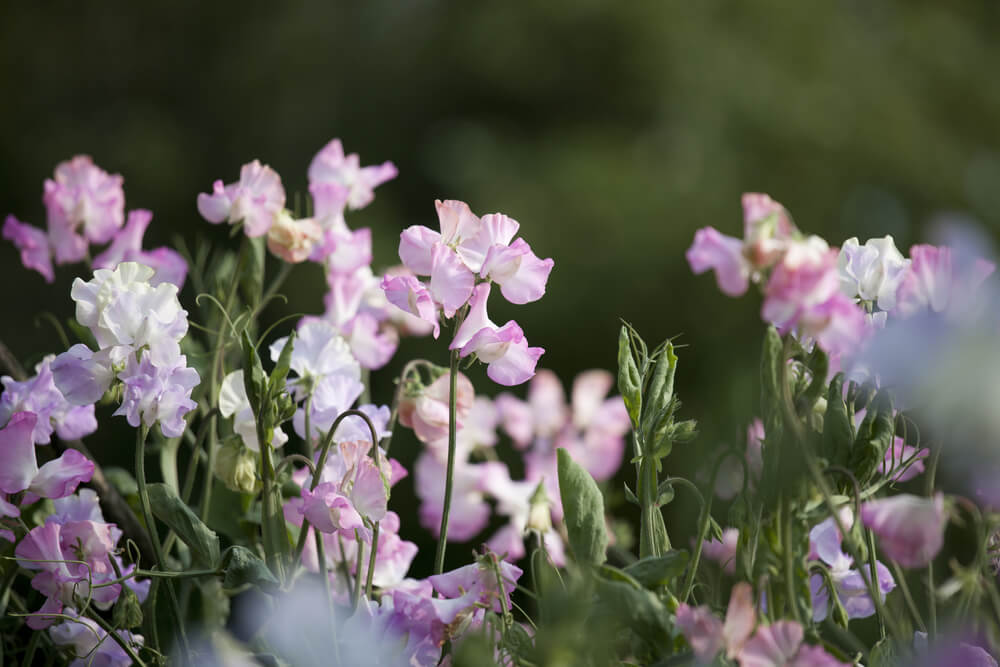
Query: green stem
[450, 472]
[357, 567]
[147, 515]
[785, 519]
[910, 604]
[126, 646]
[873, 573]
[931, 592]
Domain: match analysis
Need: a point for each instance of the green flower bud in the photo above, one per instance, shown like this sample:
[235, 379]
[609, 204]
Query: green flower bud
[236, 466]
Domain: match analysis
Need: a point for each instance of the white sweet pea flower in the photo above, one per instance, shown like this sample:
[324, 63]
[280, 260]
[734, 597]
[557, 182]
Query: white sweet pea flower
[233, 402]
[873, 271]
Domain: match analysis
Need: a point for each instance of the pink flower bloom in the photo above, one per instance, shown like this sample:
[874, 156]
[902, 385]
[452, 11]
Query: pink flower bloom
[84, 204]
[329, 510]
[936, 283]
[427, 413]
[473, 586]
[158, 392]
[910, 528]
[256, 200]
[519, 272]
[767, 228]
[724, 552]
[806, 278]
[90, 644]
[504, 349]
[372, 344]
[33, 245]
[412, 296]
[723, 254]
[772, 645]
[126, 246]
[40, 395]
[514, 500]
[838, 325]
[451, 281]
[17, 447]
[542, 416]
[293, 240]
[903, 462]
[343, 250]
[707, 636]
[459, 229]
[469, 510]
[331, 166]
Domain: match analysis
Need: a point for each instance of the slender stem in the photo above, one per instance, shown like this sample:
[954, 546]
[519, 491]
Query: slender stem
[325, 576]
[873, 573]
[787, 546]
[357, 567]
[931, 593]
[450, 472]
[371, 562]
[910, 604]
[147, 515]
[118, 639]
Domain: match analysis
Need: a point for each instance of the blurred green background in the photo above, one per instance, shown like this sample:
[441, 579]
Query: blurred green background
[611, 131]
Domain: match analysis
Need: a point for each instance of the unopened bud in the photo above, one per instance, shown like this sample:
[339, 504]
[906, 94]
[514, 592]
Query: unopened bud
[236, 466]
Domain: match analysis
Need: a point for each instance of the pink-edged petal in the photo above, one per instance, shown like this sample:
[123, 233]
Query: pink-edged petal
[259, 200]
[458, 222]
[492, 344]
[372, 345]
[451, 281]
[772, 646]
[740, 619]
[496, 230]
[60, 477]
[329, 200]
[18, 465]
[702, 630]
[415, 244]
[328, 510]
[723, 254]
[215, 207]
[369, 492]
[347, 251]
[519, 272]
[127, 243]
[33, 244]
[412, 296]
[170, 267]
[476, 319]
[516, 418]
[517, 365]
[816, 656]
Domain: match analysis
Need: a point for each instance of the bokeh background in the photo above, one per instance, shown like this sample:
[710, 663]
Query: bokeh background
[611, 131]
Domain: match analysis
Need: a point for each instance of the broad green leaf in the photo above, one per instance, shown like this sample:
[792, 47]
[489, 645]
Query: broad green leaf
[243, 566]
[583, 508]
[637, 609]
[658, 570]
[171, 510]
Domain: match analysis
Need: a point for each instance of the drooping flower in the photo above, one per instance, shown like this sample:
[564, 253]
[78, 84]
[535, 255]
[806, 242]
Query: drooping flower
[255, 200]
[873, 271]
[126, 246]
[910, 528]
[504, 349]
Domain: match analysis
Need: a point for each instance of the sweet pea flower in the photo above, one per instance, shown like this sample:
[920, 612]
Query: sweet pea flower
[158, 392]
[723, 552]
[724, 255]
[519, 272]
[459, 227]
[780, 645]
[372, 344]
[805, 278]
[20, 472]
[950, 652]
[427, 412]
[469, 510]
[85, 205]
[332, 166]
[330, 511]
[126, 246]
[233, 402]
[936, 282]
[412, 296]
[910, 528]
[89, 642]
[319, 352]
[451, 281]
[474, 586]
[903, 462]
[708, 636]
[767, 228]
[873, 271]
[517, 501]
[256, 200]
[33, 245]
[504, 349]
[39, 395]
[82, 375]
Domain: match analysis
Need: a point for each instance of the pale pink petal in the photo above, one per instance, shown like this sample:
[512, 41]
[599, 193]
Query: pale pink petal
[772, 646]
[215, 207]
[517, 365]
[18, 465]
[415, 244]
[476, 319]
[589, 390]
[723, 254]
[60, 477]
[127, 243]
[740, 619]
[451, 281]
[369, 491]
[412, 296]
[170, 267]
[458, 222]
[910, 528]
[702, 630]
[372, 345]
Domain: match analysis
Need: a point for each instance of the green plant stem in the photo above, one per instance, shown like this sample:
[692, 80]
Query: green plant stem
[873, 573]
[357, 569]
[910, 604]
[931, 592]
[785, 519]
[408, 369]
[147, 515]
[126, 646]
[450, 471]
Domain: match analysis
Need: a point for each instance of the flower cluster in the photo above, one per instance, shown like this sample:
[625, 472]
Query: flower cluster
[85, 205]
[467, 250]
[138, 328]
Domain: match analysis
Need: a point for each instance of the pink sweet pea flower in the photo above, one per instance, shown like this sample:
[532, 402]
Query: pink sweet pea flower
[772, 645]
[838, 325]
[459, 228]
[903, 462]
[723, 254]
[293, 240]
[469, 510]
[427, 413]
[451, 281]
[33, 245]
[472, 587]
[767, 228]
[724, 552]
[126, 246]
[39, 394]
[256, 200]
[329, 510]
[519, 272]
[936, 282]
[805, 278]
[505, 349]
[332, 166]
[708, 636]
[412, 296]
[372, 343]
[910, 528]
[82, 197]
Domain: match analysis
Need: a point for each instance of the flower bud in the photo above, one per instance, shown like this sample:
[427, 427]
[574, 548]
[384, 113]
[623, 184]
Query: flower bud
[293, 240]
[910, 528]
[539, 514]
[236, 466]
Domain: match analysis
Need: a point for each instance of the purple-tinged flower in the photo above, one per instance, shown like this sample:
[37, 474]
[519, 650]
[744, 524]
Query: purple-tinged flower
[329, 510]
[332, 166]
[372, 344]
[90, 644]
[504, 349]
[950, 652]
[126, 246]
[838, 325]
[158, 392]
[451, 280]
[20, 472]
[33, 245]
[469, 510]
[772, 645]
[343, 250]
[723, 552]
[724, 255]
[256, 200]
[40, 395]
[873, 271]
[936, 282]
[708, 636]
[910, 528]
[319, 352]
[805, 278]
[474, 586]
[460, 231]
[412, 296]
[83, 376]
[903, 462]
[517, 501]
[84, 204]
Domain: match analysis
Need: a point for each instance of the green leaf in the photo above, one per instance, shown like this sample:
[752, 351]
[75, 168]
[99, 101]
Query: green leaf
[254, 380]
[630, 495]
[128, 611]
[658, 571]
[875, 436]
[122, 480]
[171, 510]
[277, 383]
[252, 276]
[629, 380]
[243, 567]
[637, 609]
[660, 393]
[583, 508]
